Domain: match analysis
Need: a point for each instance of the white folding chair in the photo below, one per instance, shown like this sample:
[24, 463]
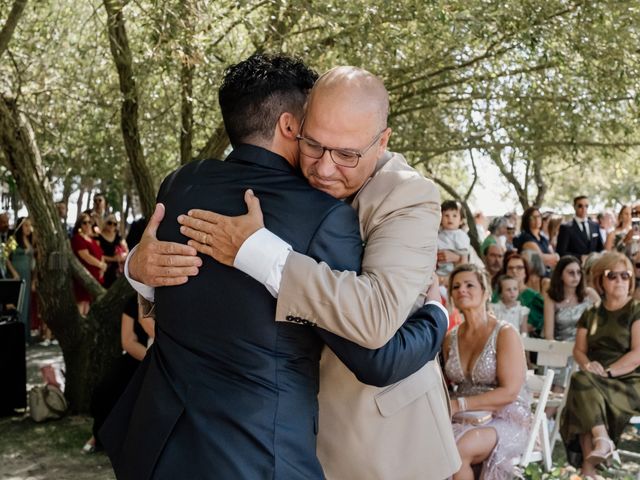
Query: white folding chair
[552, 353]
[538, 447]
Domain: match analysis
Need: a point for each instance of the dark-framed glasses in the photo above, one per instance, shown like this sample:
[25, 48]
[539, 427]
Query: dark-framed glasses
[111, 222]
[611, 275]
[345, 157]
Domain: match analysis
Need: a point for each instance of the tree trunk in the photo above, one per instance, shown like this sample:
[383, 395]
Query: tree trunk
[121, 53]
[88, 343]
[10, 25]
[187, 71]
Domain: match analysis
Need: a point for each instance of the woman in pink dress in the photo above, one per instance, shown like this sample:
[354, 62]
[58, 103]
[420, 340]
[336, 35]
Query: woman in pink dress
[90, 254]
[485, 362]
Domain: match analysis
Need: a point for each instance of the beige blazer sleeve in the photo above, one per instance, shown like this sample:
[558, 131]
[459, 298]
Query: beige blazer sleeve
[399, 212]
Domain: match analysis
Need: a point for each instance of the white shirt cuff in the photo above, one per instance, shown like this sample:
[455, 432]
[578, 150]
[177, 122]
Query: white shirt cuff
[262, 256]
[141, 288]
[441, 307]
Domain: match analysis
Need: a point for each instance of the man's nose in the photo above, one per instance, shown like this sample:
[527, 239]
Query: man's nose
[325, 166]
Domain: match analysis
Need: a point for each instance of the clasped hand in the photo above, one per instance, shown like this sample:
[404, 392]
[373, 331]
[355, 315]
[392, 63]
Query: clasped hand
[156, 263]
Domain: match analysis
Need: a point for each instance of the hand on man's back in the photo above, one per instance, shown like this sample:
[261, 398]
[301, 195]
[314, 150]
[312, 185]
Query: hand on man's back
[160, 264]
[220, 236]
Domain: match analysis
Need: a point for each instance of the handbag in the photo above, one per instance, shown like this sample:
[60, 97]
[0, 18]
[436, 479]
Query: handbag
[473, 417]
[46, 402]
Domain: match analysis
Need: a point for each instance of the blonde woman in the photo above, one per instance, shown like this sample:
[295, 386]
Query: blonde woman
[485, 362]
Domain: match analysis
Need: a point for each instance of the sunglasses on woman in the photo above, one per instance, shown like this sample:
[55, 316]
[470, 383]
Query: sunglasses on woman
[614, 275]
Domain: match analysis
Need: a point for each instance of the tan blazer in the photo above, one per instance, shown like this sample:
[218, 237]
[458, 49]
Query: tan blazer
[402, 431]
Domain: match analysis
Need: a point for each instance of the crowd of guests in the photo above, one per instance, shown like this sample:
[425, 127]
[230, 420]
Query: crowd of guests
[540, 276]
[95, 239]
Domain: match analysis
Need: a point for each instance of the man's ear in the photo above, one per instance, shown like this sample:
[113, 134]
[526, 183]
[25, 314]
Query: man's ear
[288, 126]
[384, 141]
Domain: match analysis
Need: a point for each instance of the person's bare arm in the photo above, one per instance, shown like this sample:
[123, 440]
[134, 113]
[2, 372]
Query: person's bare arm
[129, 339]
[510, 371]
[549, 317]
[91, 260]
[580, 350]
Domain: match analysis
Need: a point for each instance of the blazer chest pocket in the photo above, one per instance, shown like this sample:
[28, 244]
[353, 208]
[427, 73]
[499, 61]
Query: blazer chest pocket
[394, 398]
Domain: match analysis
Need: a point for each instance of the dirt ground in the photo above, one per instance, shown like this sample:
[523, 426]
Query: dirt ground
[52, 450]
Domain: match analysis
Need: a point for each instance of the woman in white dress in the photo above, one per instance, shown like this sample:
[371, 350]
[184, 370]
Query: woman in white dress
[485, 362]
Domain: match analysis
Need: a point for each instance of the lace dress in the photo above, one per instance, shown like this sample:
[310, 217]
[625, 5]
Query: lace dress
[510, 422]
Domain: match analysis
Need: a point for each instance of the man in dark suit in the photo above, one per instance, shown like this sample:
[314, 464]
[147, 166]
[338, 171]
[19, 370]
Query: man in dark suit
[580, 236]
[225, 392]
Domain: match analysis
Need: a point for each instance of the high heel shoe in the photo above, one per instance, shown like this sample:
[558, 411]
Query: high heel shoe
[598, 456]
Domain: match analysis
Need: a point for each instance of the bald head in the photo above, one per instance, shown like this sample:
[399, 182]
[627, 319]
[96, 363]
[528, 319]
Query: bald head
[347, 111]
[355, 89]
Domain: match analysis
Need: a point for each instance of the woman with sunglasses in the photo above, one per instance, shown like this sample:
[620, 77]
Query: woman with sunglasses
[605, 393]
[90, 254]
[566, 299]
[114, 248]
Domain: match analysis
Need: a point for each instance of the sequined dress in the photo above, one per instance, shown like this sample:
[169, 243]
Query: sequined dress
[511, 422]
[566, 321]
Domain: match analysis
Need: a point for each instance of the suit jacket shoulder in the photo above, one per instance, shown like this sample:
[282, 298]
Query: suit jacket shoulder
[399, 213]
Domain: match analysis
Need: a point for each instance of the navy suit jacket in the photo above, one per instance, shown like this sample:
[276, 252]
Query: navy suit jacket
[572, 241]
[226, 392]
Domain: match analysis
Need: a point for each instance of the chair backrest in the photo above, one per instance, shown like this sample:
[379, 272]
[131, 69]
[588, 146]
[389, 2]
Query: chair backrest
[554, 354]
[540, 387]
[551, 353]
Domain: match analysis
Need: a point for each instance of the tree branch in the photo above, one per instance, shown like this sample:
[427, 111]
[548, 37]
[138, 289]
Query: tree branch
[10, 25]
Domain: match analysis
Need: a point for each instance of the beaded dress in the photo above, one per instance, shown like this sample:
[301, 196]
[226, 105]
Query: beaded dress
[510, 422]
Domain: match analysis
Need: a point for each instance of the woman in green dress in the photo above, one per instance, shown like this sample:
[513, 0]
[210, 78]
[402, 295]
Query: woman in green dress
[24, 263]
[605, 393]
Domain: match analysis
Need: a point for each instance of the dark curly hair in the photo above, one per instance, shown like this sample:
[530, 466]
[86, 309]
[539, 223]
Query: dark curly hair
[255, 92]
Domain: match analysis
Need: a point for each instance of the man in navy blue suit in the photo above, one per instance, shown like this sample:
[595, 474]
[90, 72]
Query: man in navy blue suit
[226, 392]
[579, 236]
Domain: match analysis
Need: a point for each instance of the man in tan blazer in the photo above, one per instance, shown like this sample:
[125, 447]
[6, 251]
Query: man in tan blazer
[402, 431]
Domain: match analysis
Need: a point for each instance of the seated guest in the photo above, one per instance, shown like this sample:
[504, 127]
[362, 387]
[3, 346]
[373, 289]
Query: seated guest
[484, 361]
[554, 228]
[136, 334]
[493, 259]
[538, 273]
[508, 308]
[497, 232]
[615, 239]
[566, 299]
[605, 394]
[516, 267]
[531, 237]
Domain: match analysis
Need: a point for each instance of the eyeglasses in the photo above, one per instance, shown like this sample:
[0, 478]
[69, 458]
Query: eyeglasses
[345, 157]
[582, 205]
[637, 264]
[86, 222]
[515, 267]
[110, 222]
[614, 275]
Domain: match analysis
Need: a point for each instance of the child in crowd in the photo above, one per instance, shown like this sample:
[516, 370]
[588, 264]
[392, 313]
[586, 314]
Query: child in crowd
[509, 308]
[453, 242]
